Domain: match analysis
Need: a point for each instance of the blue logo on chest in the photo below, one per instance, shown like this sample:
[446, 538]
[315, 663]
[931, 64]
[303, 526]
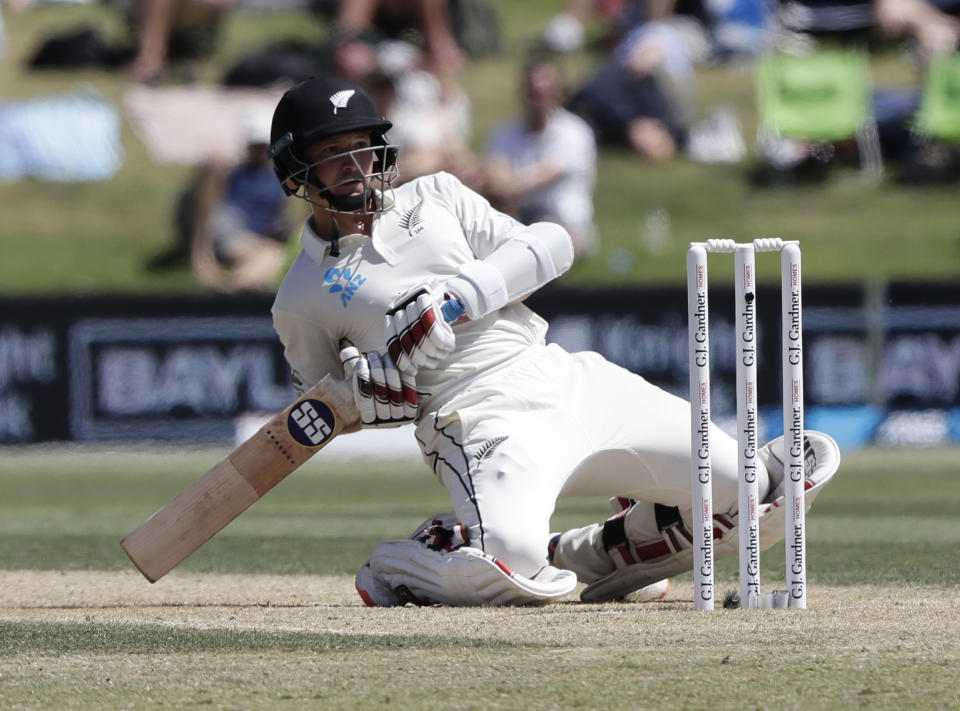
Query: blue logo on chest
[344, 282]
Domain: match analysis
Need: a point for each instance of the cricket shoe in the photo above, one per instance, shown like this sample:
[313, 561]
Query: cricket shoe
[651, 593]
[821, 459]
[655, 591]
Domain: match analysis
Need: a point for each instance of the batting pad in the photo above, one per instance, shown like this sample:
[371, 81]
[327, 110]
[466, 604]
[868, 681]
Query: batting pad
[463, 577]
[625, 580]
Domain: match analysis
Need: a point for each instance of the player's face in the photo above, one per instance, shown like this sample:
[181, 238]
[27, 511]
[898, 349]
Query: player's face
[342, 162]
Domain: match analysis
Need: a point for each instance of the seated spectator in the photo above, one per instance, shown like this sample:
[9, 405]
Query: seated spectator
[929, 28]
[444, 29]
[175, 29]
[158, 31]
[566, 31]
[728, 30]
[541, 166]
[642, 96]
[230, 221]
[932, 25]
[431, 119]
[376, 20]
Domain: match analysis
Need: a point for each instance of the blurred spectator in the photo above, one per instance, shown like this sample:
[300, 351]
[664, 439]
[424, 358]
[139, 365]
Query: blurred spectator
[431, 119]
[541, 166]
[929, 27]
[731, 28]
[643, 95]
[566, 31]
[417, 89]
[739, 29]
[161, 30]
[172, 29]
[353, 58]
[934, 26]
[377, 20]
[931, 24]
[230, 222]
[445, 27]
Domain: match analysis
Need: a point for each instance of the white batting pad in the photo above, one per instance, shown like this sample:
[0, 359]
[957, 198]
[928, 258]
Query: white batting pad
[463, 577]
[827, 452]
[621, 583]
[625, 580]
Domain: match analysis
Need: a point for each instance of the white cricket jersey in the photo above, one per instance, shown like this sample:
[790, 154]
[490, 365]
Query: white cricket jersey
[434, 225]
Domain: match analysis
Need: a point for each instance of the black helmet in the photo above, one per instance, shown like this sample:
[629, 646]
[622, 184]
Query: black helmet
[318, 108]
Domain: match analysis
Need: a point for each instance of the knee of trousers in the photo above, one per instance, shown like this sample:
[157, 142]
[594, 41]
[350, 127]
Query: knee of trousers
[523, 552]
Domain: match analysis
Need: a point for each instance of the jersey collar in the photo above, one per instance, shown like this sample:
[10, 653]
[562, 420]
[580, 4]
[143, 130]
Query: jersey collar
[318, 248]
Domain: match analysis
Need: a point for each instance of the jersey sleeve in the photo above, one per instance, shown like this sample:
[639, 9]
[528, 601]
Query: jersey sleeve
[484, 227]
[309, 350]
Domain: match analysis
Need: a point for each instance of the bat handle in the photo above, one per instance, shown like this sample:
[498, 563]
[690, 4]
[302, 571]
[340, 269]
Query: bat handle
[452, 309]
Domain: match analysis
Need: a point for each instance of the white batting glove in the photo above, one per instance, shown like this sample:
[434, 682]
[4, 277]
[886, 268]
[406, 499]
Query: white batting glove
[384, 396]
[417, 334]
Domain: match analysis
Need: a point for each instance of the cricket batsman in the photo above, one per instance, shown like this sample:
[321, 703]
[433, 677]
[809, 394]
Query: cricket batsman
[507, 423]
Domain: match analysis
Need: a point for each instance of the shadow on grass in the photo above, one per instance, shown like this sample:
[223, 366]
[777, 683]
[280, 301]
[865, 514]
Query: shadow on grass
[18, 638]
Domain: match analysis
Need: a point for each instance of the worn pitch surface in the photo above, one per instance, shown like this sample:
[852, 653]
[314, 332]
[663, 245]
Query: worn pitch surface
[112, 640]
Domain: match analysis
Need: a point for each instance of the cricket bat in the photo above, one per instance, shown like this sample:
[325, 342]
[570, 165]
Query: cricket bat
[211, 502]
[289, 439]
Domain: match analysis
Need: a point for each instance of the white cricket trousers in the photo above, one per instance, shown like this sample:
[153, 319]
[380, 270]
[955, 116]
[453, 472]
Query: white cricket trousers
[558, 424]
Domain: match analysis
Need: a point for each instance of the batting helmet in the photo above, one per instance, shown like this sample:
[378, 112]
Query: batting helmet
[319, 108]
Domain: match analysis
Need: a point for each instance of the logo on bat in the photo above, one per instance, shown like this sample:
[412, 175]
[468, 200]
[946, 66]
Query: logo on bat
[311, 423]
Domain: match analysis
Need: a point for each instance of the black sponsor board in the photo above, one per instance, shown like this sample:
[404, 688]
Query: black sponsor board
[102, 368]
[135, 367]
[645, 331]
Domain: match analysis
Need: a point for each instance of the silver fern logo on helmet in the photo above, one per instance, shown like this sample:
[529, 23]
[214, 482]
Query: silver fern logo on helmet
[341, 99]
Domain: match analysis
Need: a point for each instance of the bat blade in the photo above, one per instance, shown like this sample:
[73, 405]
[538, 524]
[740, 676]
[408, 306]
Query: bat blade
[201, 510]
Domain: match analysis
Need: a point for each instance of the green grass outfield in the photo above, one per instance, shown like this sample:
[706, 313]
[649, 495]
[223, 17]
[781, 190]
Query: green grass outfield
[264, 615]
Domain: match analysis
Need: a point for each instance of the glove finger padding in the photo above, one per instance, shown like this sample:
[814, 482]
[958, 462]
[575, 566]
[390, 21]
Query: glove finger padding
[383, 396]
[356, 368]
[433, 338]
[394, 325]
[402, 391]
[418, 336]
[411, 398]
